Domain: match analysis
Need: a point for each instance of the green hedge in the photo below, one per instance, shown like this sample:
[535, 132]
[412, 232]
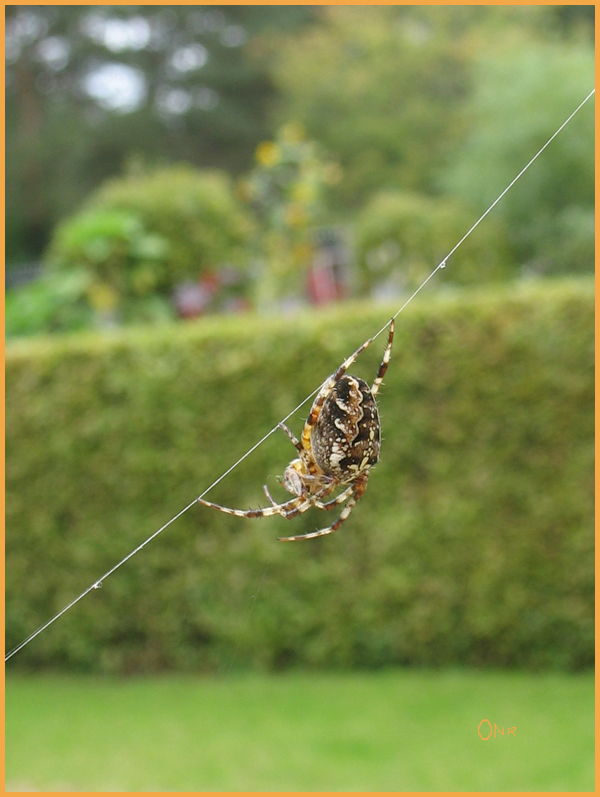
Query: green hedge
[473, 543]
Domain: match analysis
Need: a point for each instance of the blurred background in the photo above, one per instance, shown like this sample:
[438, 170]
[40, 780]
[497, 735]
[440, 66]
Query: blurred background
[207, 209]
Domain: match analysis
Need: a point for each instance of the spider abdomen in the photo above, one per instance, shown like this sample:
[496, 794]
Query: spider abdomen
[345, 440]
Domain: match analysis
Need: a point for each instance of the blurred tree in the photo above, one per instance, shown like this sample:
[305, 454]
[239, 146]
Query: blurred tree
[522, 93]
[88, 86]
[378, 86]
[384, 88]
[579, 19]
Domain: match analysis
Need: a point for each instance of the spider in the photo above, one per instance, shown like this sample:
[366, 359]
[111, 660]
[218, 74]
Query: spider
[339, 444]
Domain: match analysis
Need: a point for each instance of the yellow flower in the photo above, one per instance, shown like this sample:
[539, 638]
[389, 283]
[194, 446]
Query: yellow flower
[268, 154]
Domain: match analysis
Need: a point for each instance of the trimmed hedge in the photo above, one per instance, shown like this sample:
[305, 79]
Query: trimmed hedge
[472, 545]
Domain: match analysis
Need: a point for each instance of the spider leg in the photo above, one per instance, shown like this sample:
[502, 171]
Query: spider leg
[358, 489]
[335, 501]
[385, 362]
[287, 510]
[305, 454]
[275, 509]
[283, 512]
[269, 496]
[292, 437]
[329, 530]
[310, 501]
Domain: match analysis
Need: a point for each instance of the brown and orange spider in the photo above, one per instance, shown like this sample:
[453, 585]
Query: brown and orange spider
[339, 444]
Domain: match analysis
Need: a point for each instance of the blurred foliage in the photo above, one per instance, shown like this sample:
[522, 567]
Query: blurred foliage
[124, 263]
[196, 212]
[54, 303]
[401, 237]
[454, 100]
[287, 190]
[380, 90]
[386, 88]
[549, 219]
[473, 545]
[415, 119]
[188, 87]
[141, 236]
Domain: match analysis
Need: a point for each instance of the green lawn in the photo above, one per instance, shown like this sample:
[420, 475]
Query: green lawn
[386, 731]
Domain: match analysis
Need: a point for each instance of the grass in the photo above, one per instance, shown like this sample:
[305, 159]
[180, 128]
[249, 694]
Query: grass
[387, 731]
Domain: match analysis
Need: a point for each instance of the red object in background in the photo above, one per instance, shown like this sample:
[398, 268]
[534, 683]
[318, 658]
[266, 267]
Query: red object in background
[324, 284]
[211, 282]
[324, 281]
[214, 292]
[193, 298]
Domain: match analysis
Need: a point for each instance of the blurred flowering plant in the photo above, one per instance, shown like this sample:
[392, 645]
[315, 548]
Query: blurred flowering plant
[287, 190]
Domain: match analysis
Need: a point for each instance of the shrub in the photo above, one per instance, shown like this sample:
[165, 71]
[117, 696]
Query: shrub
[142, 235]
[473, 543]
[196, 212]
[123, 262]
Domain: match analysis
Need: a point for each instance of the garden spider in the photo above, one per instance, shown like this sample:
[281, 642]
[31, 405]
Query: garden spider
[339, 444]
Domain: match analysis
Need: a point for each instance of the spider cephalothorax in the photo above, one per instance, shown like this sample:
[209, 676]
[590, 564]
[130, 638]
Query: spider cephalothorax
[339, 444]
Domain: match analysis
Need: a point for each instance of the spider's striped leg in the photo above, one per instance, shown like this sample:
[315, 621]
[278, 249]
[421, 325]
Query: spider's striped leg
[336, 501]
[385, 362]
[269, 496]
[269, 511]
[345, 512]
[310, 501]
[358, 489]
[324, 394]
[304, 453]
[292, 437]
[273, 503]
[287, 510]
